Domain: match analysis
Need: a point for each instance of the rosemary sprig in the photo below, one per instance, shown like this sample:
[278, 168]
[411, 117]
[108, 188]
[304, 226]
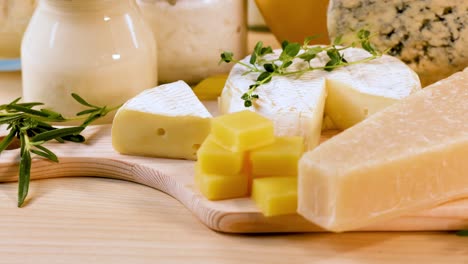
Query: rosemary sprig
[291, 51]
[32, 127]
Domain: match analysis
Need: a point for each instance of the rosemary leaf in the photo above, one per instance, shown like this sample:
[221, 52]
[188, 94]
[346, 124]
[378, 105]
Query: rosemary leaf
[24, 170]
[74, 138]
[5, 119]
[27, 110]
[53, 114]
[29, 105]
[45, 152]
[57, 133]
[3, 107]
[33, 128]
[82, 101]
[85, 112]
[7, 140]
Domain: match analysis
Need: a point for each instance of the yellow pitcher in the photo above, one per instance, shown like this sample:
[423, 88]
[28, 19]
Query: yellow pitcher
[294, 20]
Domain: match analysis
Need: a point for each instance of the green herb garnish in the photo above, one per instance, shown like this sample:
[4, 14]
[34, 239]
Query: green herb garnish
[32, 127]
[463, 233]
[268, 68]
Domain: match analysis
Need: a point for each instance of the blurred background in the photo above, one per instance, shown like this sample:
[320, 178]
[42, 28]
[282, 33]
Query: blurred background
[96, 41]
[285, 18]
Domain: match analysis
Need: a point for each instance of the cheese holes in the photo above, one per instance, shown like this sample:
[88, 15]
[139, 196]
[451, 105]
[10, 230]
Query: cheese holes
[366, 112]
[161, 132]
[195, 148]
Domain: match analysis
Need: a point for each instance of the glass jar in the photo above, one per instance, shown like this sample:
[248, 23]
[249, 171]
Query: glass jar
[14, 18]
[191, 34]
[100, 49]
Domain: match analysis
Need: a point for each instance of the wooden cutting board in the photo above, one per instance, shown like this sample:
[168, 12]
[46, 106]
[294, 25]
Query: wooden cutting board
[176, 178]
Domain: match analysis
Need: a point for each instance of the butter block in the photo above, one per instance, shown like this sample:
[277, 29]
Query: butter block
[278, 159]
[167, 121]
[213, 158]
[220, 187]
[275, 195]
[242, 131]
[411, 156]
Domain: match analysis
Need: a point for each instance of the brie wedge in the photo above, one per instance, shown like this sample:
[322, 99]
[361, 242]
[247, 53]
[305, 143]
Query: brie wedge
[166, 121]
[347, 95]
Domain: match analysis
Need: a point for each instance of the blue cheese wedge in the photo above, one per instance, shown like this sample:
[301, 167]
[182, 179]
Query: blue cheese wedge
[346, 96]
[167, 121]
[431, 36]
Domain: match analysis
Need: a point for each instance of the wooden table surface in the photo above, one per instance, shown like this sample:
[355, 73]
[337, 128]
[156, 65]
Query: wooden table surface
[95, 220]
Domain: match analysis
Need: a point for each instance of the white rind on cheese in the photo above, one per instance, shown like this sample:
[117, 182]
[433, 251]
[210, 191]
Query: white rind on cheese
[358, 91]
[167, 121]
[297, 110]
[173, 99]
[349, 94]
[410, 156]
[429, 35]
[385, 77]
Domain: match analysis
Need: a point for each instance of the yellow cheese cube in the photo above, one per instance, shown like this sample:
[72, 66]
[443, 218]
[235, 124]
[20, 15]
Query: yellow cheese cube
[275, 195]
[278, 159]
[213, 158]
[242, 131]
[219, 187]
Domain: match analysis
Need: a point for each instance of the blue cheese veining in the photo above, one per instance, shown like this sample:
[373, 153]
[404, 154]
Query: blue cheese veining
[430, 36]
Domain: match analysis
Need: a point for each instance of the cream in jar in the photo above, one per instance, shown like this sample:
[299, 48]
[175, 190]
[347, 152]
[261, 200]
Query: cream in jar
[191, 35]
[100, 49]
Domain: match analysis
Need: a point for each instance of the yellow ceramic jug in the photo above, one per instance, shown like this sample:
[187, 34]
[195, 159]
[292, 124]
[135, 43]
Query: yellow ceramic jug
[293, 20]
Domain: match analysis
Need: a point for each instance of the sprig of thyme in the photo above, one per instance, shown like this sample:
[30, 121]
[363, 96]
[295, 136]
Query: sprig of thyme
[269, 68]
[32, 127]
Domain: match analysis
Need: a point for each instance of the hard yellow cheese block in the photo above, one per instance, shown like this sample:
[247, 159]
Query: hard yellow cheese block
[410, 156]
[218, 186]
[166, 121]
[242, 131]
[278, 159]
[275, 195]
[213, 158]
